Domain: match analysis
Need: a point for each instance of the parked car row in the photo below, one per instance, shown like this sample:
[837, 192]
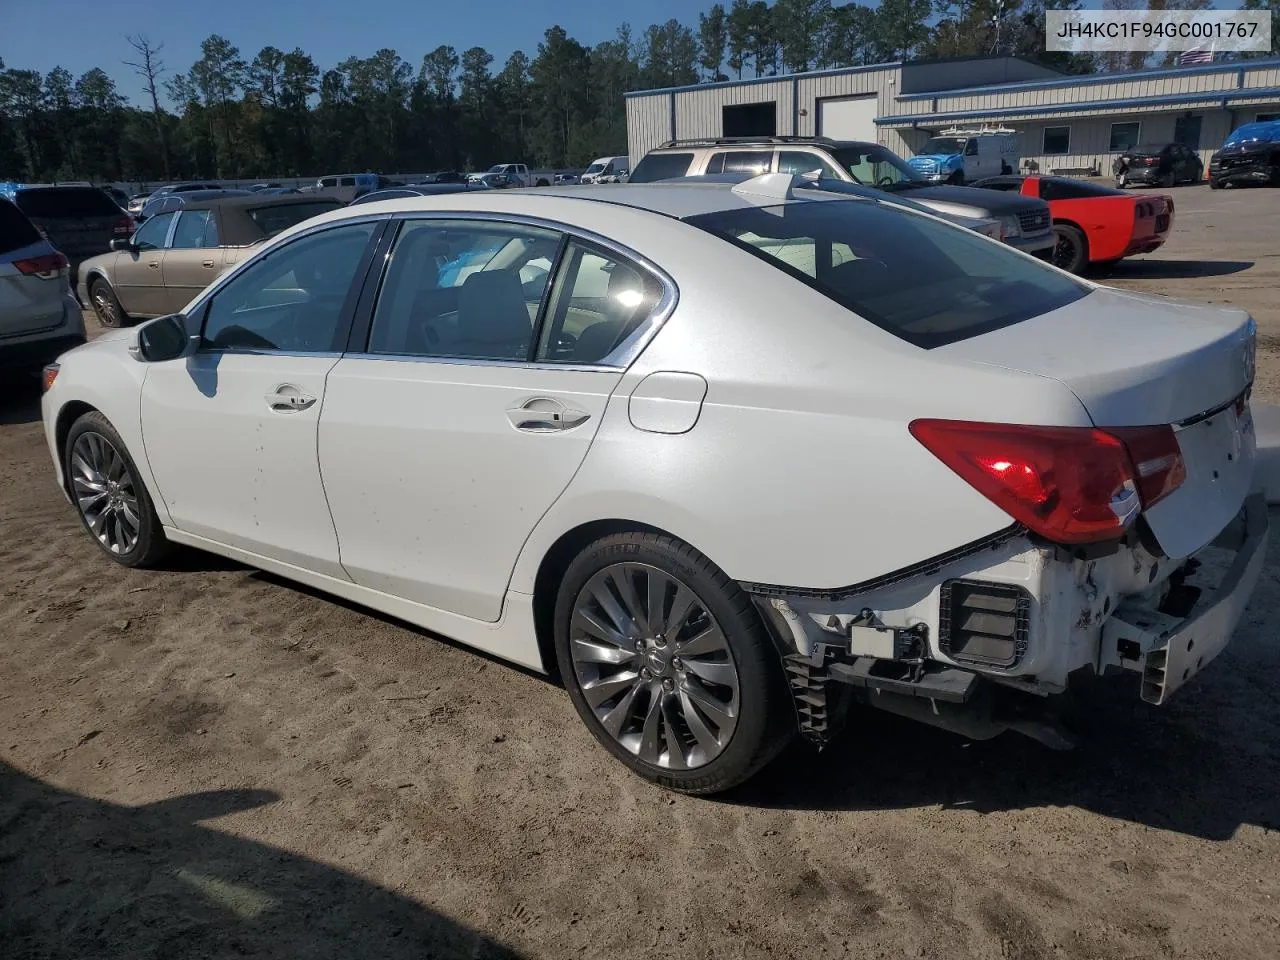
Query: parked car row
[599, 395]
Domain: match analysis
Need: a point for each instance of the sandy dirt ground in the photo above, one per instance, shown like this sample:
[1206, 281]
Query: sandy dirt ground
[209, 762]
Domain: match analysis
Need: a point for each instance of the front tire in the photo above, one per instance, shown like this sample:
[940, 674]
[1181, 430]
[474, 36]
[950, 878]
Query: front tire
[105, 305]
[668, 664]
[109, 495]
[1071, 252]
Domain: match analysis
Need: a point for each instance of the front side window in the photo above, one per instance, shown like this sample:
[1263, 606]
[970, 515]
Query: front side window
[1124, 136]
[866, 257]
[876, 166]
[151, 235]
[971, 150]
[662, 166]
[800, 162]
[292, 299]
[598, 302]
[1057, 141]
[210, 238]
[469, 290]
[190, 230]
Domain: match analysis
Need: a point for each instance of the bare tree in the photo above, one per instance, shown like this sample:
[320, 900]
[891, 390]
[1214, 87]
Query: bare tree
[149, 67]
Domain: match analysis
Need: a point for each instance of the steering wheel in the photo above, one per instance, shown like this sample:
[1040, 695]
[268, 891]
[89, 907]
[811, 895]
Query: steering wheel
[885, 181]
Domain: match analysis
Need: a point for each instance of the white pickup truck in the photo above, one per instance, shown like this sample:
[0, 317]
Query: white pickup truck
[512, 175]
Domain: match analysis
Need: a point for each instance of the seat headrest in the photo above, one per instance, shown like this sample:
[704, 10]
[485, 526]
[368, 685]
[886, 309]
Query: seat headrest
[491, 308]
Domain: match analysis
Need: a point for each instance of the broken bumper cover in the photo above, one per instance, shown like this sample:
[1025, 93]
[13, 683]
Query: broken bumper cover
[1175, 650]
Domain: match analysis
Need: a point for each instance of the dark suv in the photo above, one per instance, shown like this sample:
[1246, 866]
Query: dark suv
[1026, 223]
[80, 222]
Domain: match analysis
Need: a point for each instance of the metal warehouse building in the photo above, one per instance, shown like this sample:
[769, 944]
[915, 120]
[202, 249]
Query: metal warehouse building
[1065, 123]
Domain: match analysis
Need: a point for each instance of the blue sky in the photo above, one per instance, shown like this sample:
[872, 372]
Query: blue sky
[79, 34]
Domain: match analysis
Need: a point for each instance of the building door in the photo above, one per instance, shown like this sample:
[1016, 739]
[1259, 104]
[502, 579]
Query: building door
[848, 118]
[1186, 131]
[750, 119]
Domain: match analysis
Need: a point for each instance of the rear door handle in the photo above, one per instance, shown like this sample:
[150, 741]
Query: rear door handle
[545, 415]
[207, 263]
[287, 398]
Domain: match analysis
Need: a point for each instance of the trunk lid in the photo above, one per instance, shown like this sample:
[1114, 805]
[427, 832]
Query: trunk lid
[1139, 360]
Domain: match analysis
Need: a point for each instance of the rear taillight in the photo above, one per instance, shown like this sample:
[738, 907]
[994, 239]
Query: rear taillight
[123, 227]
[1157, 460]
[1068, 484]
[46, 267]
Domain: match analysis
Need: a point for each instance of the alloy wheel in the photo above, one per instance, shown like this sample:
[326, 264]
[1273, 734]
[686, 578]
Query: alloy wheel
[105, 492]
[654, 666]
[105, 307]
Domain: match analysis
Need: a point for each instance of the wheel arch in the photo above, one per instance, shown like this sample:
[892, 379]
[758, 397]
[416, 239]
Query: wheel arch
[70, 412]
[555, 561]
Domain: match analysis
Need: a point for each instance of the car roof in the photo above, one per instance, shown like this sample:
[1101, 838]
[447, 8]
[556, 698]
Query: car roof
[678, 200]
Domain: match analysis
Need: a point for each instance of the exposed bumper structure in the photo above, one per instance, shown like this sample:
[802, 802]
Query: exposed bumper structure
[1006, 623]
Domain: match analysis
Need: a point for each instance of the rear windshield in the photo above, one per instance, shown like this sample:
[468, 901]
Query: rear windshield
[53, 203]
[275, 219]
[662, 166]
[868, 258]
[1053, 188]
[16, 230]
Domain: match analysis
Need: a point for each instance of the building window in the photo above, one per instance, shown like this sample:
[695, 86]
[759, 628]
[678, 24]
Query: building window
[1124, 136]
[1186, 131]
[1057, 141]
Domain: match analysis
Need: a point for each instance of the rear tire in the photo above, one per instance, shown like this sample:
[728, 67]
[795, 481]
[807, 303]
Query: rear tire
[1071, 253]
[105, 305]
[696, 700]
[109, 494]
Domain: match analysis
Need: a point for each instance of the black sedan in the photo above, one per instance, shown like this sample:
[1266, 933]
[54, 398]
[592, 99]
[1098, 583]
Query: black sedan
[1158, 164]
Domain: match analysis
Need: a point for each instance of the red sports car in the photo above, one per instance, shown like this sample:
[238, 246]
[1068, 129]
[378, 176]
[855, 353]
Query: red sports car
[1094, 224]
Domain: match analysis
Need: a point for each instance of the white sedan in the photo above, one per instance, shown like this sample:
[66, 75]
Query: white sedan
[722, 457]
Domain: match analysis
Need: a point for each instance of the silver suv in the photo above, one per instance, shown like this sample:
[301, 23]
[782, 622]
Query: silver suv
[39, 317]
[1025, 221]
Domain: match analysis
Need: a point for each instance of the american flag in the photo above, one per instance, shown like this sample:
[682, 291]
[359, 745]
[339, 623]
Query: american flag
[1189, 57]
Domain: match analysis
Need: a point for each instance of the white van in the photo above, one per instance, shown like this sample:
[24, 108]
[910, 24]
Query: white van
[607, 170]
[963, 156]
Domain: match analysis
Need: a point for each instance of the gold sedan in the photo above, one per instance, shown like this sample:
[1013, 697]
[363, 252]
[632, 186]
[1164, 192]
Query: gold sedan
[176, 254]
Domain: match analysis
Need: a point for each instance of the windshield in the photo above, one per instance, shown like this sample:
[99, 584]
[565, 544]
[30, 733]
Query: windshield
[944, 145]
[877, 167]
[279, 217]
[1146, 150]
[866, 257]
[595, 167]
[52, 203]
[1269, 130]
[497, 168]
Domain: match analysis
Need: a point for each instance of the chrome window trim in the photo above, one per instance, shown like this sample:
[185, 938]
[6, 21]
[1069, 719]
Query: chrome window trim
[621, 357]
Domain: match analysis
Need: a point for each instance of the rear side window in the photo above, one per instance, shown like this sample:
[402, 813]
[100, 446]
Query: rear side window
[754, 162]
[280, 217]
[867, 258]
[16, 230]
[65, 203]
[210, 238]
[463, 290]
[662, 166]
[190, 229]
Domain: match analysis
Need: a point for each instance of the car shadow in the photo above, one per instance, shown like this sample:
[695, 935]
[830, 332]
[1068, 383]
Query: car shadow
[88, 878]
[1168, 269]
[19, 400]
[1170, 768]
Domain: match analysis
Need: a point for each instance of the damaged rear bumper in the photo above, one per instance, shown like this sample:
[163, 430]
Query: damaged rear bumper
[957, 641]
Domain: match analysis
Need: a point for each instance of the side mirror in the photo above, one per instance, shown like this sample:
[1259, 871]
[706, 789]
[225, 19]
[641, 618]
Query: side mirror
[119, 244]
[165, 338]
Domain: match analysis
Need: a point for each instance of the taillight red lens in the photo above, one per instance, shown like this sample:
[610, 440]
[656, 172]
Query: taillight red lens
[1068, 484]
[1157, 460]
[123, 227]
[45, 267]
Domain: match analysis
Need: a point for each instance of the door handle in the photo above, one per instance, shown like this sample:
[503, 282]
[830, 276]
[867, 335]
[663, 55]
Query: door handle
[207, 263]
[153, 264]
[545, 415]
[287, 398]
